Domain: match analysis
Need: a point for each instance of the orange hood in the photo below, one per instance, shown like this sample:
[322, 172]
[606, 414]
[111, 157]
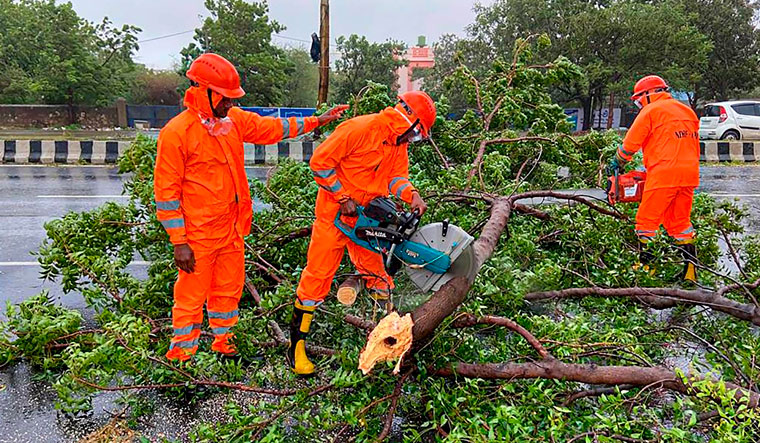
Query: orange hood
[196, 99]
[395, 123]
[657, 96]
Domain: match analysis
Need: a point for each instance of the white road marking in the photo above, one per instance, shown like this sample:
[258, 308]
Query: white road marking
[34, 263]
[83, 196]
[57, 165]
[733, 195]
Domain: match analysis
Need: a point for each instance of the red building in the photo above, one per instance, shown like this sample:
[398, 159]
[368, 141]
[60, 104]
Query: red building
[420, 56]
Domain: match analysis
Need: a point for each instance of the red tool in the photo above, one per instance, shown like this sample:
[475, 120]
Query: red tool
[626, 188]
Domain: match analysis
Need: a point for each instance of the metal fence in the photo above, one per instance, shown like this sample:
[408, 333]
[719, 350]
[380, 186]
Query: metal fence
[156, 116]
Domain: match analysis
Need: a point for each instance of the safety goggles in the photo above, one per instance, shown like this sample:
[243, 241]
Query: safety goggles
[413, 134]
[637, 98]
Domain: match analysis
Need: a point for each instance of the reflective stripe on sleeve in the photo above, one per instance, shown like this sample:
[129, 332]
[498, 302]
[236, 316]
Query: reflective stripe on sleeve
[401, 189]
[334, 188]
[173, 223]
[285, 128]
[393, 182]
[169, 205]
[325, 173]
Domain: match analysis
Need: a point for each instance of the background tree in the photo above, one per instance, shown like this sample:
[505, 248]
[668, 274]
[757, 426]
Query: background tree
[303, 82]
[611, 41]
[615, 47]
[48, 54]
[361, 61]
[242, 32]
[732, 67]
[156, 87]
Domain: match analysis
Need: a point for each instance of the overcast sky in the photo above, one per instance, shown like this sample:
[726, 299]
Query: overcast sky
[379, 20]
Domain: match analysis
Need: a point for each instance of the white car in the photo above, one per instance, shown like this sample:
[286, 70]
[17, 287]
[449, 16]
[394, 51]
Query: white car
[734, 120]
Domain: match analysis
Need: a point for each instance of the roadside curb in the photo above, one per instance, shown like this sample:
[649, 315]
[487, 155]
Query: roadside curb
[62, 151]
[270, 154]
[729, 151]
[108, 152]
[98, 152]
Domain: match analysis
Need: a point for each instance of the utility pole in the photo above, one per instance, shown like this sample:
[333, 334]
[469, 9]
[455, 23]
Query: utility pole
[324, 58]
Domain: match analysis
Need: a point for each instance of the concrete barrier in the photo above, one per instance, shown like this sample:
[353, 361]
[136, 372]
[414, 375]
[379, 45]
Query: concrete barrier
[729, 151]
[108, 152]
[270, 154]
[62, 151]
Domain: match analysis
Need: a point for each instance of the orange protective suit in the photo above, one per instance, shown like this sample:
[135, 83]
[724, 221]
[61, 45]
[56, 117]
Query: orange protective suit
[668, 133]
[359, 160]
[203, 200]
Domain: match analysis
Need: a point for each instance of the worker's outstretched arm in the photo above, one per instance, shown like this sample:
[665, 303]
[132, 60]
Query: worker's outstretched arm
[270, 130]
[167, 185]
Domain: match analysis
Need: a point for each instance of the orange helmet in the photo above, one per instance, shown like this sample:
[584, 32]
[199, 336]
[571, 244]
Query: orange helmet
[215, 72]
[420, 105]
[650, 83]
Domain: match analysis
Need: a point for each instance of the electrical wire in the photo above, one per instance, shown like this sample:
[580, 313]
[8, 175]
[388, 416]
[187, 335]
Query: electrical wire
[165, 36]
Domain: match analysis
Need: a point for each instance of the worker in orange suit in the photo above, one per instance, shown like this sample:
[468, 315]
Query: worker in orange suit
[204, 202]
[366, 157]
[667, 131]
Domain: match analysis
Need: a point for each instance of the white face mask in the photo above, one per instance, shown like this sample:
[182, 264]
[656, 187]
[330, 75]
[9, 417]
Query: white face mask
[638, 104]
[217, 127]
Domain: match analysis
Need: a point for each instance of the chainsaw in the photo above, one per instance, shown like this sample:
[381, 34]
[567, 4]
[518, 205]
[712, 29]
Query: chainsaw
[432, 254]
[626, 188]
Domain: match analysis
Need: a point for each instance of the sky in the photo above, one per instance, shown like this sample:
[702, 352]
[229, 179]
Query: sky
[378, 20]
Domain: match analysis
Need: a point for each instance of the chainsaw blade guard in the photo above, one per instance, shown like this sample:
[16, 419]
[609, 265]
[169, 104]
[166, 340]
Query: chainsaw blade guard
[450, 240]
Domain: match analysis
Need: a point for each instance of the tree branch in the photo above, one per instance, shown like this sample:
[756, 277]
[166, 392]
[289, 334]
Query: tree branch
[467, 320]
[591, 374]
[660, 298]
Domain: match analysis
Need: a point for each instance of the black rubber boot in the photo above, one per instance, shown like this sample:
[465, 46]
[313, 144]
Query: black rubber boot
[645, 258]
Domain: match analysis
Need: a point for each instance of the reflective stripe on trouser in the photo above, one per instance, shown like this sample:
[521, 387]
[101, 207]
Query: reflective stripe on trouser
[218, 282]
[670, 207]
[325, 253]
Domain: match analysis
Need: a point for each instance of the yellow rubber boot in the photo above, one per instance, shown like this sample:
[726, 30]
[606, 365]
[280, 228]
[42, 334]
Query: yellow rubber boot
[299, 330]
[689, 253]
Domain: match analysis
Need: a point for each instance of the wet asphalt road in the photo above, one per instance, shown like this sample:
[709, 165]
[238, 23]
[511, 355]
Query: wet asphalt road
[32, 195]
